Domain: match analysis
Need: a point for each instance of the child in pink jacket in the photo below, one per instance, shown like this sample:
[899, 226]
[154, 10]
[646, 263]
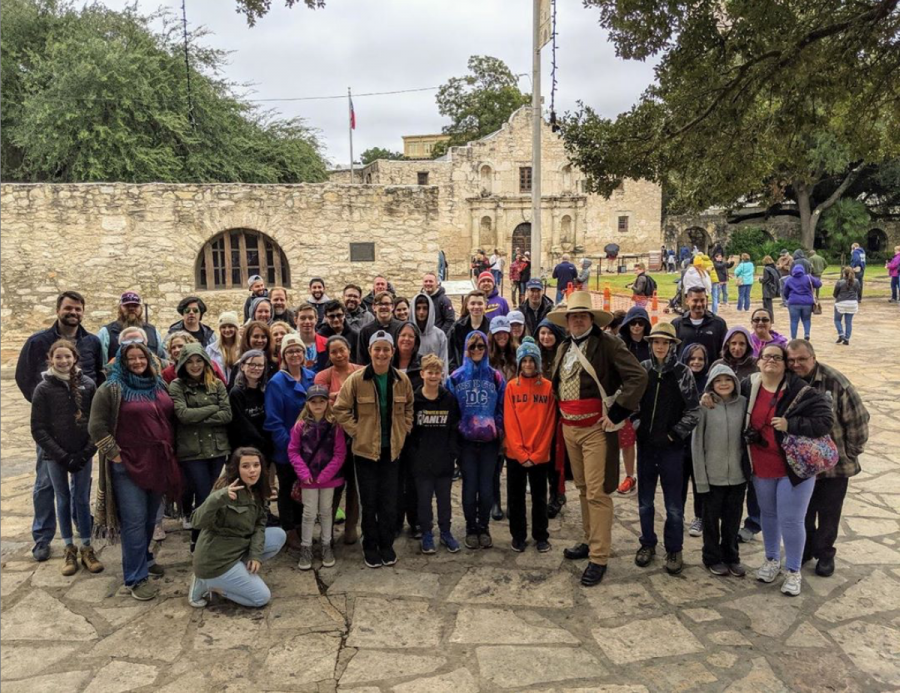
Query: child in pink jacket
[316, 451]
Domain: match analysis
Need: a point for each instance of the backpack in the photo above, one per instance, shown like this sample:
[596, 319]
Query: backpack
[649, 286]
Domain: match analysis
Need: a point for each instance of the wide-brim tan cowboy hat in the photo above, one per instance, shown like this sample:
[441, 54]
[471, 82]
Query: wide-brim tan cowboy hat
[579, 302]
[664, 330]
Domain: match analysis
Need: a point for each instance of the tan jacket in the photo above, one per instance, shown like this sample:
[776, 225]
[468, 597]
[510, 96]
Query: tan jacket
[358, 412]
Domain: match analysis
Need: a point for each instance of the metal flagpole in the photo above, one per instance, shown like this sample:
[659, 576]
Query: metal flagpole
[352, 124]
[536, 247]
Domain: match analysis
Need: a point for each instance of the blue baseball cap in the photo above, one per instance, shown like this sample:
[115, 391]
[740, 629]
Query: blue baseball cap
[534, 284]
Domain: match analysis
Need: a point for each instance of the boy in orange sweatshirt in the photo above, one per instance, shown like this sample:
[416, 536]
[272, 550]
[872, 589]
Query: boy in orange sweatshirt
[530, 407]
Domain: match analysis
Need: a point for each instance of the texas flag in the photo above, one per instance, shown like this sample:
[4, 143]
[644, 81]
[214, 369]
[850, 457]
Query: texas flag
[352, 116]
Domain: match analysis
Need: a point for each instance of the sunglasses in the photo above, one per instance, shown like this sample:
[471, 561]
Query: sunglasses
[191, 310]
[131, 340]
[758, 320]
[334, 316]
[476, 347]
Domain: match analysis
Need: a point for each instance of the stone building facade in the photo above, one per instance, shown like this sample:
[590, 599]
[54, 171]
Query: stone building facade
[103, 239]
[485, 199]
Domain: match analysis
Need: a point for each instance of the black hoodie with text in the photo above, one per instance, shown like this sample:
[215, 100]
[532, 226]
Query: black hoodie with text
[433, 443]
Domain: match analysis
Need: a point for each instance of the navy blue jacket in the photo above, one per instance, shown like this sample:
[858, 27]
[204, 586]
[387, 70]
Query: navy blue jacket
[33, 357]
[564, 273]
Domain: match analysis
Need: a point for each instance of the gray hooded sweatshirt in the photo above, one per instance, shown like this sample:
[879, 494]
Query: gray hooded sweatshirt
[717, 444]
[434, 341]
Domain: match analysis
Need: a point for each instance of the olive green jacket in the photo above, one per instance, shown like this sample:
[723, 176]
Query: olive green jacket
[230, 531]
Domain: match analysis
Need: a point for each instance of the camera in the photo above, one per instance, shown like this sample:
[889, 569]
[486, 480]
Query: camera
[753, 436]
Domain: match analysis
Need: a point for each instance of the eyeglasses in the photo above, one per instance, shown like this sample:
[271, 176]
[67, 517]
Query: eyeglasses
[260, 366]
[335, 316]
[384, 303]
[476, 347]
[771, 357]
[758, 320]
[191, 310]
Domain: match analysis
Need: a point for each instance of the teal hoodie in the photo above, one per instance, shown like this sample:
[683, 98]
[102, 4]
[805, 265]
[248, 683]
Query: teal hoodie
[717, 444]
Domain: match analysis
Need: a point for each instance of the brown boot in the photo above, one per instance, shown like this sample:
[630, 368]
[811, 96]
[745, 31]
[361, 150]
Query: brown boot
[70, 567]
[293, 539]
[90, 561]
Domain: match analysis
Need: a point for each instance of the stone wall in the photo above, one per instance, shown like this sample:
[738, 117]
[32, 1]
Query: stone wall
[106, 238]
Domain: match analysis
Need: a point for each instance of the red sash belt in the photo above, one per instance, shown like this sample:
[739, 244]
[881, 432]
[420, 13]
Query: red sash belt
[581, 407]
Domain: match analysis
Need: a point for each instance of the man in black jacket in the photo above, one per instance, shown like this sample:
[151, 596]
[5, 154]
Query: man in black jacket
[32, 362]
[192, 309]
[336, 323]
[699, 326]
[535, 306]
[383, 304]
[444, 315]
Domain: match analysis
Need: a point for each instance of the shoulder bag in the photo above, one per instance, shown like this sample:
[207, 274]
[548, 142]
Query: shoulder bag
[806, 456]
[817, 307]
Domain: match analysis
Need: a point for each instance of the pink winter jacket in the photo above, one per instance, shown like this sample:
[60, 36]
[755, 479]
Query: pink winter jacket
[894, 266]
[331, 474]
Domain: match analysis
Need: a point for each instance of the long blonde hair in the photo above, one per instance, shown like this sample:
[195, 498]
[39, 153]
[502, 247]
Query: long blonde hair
[306, 414]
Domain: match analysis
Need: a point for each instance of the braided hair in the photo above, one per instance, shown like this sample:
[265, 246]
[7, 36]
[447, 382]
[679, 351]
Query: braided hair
[75, 376]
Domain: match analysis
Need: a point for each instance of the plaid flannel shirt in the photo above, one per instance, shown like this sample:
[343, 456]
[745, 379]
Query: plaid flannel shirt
[851, 419]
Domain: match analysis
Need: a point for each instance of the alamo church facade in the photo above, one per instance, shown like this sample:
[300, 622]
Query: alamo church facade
[170, 240]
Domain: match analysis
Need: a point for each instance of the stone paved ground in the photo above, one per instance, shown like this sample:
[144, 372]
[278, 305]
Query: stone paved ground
[485, 620]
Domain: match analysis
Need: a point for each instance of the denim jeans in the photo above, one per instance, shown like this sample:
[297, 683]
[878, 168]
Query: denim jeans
[667, 466]
[43, 528]
[240, 585]
[201, 475]
[744, 297]
[477, 462]
[800, 314]
[846, 328]
[715, 296]
[137, 517]
[783, 512]
[434, 487]
[895, 288]
[752, 521]
[73, 499]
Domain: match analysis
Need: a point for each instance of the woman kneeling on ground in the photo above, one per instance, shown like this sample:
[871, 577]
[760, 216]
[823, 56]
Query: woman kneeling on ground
[234, 539]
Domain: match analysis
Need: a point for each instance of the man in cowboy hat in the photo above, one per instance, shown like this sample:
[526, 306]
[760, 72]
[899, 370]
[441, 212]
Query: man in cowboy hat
[598, 384]
[670, 410]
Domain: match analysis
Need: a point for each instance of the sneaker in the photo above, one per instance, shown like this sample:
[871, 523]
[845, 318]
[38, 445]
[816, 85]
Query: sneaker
[627, 487]
[768, 571]
[41, 552]
[428, 543]
[388, 557]
[305, 562]
[472, 541]
[484, 539]
[89, 560]
[328, 554]
[737, 570]
[696, 528]
[372, 558]
[449, 541]
[340, 516]
[186, 523]
[791, 584]
[553, 508]
[644, 555]
[518, 545]
[196, 594]
[159, 533]
[417, 532]
[745, 536]
[144, 591]
[156, 569]
[718, 569]
[70, 565]
[543, 546]
[674, 563]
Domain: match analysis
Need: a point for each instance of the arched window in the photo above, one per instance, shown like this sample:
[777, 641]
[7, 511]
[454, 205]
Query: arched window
[487, 182]
[230, 258]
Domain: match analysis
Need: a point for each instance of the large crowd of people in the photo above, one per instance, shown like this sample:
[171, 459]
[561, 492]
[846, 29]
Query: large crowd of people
[363, 409]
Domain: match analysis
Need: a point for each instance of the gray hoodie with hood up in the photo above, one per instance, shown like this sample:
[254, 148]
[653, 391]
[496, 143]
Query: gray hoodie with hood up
[717, 444]
[434, 341]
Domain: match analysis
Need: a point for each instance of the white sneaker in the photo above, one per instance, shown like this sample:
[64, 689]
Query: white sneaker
[159, 533]
[768, 571]
[696, 528]
[197, 598]
[791, 584]
[186, 523]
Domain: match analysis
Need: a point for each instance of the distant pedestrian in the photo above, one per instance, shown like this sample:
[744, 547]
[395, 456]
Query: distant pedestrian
[564, 274]
[893, 268]
[771, 284]
[743, 276]
[799, 293]
[846, 305]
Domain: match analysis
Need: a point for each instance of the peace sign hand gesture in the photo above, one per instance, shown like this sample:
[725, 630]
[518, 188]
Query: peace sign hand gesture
[234, 488]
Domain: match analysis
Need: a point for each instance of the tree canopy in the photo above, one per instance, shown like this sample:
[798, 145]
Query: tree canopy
[754, 102]
[480, 102]
[254, 10]
[375, 153]
[97, 95]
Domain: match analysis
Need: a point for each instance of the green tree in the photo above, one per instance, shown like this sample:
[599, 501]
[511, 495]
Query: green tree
[480, 102]
[94, 94]
[846, 222]
[375, 153]
[754, 102]
[254, 10]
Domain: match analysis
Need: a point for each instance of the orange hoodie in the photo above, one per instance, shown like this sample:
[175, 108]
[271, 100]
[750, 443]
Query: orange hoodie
[529, 419]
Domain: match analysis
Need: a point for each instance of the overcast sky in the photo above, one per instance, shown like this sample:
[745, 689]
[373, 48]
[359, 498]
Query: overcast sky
[385, 45]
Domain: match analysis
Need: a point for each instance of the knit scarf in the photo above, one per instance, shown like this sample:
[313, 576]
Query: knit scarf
[135, 387]
[59, 375]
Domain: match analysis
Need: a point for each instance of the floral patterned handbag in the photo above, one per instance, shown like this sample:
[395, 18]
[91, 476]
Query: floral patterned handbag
[806, 456]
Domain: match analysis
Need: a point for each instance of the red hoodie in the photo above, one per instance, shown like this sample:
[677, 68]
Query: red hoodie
[529, 419]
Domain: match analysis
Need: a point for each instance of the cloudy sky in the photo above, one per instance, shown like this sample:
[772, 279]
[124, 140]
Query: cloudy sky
[388, 45]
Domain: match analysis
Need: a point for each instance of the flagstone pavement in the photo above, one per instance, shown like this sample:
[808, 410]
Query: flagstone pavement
[488, 620]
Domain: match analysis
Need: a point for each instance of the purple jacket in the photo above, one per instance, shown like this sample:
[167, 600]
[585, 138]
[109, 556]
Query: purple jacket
[496, 305]
[894, 266]
[322, 467]
[799, 288]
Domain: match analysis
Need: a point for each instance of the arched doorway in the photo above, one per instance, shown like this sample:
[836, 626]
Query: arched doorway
[695, 236]
[876, 241]
[521, 239]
